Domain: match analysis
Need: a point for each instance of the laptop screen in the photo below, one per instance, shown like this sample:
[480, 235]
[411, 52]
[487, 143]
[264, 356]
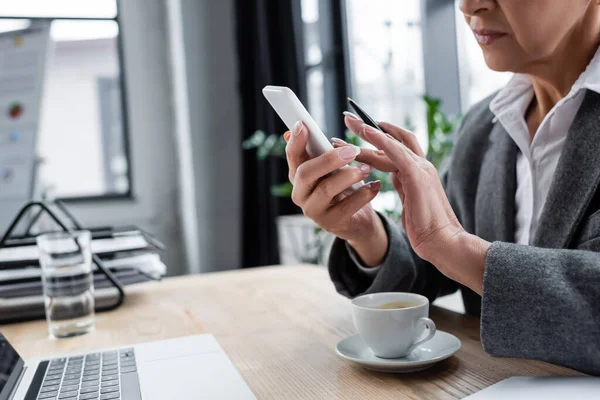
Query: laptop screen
[11, 365]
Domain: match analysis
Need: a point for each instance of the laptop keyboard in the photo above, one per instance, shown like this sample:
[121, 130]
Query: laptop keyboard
[94, 376]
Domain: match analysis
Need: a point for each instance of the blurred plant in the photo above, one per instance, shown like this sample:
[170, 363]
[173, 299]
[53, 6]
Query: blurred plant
[440, 129]
[269, 146]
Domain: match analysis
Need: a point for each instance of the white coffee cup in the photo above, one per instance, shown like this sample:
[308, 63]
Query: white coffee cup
[392, 333]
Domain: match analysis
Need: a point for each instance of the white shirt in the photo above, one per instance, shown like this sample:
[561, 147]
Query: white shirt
[538, 158]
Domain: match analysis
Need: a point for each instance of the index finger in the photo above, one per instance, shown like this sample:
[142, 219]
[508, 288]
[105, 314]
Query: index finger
[295, 149]
[401, 156]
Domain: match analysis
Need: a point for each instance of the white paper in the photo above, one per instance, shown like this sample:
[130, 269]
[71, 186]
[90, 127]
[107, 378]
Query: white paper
[547, 388]
[149, 264]
[112, 245]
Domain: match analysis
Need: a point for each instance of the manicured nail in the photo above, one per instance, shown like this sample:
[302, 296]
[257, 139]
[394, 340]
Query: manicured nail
[374, 186]
[350, 115]
[339, 142]
[348, 153]
[365, 168]
[298, 128]
[371, 130]
[286, 136]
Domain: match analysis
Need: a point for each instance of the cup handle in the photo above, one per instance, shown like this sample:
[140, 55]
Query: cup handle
[430, 325]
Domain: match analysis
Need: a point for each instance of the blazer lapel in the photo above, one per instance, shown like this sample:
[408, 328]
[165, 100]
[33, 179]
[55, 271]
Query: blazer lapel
[495, 199]
[576, 178]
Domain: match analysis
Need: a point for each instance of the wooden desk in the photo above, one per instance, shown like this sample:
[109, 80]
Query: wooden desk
[279, 326]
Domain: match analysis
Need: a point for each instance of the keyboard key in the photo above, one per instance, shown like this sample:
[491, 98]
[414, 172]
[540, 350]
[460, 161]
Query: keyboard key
[50, 388]
[90, 383]
[88, 396]
[109, 389]
[110, 367]
[110, 396]
[72, 376]
[88, 389]
[76, 358]
[89, 372]
[69, 382]
[48, 395]
[73, 371]
[59, 361]
[90, 378]
[68, 388]
[125, 370]
[66, 395]
[109, 377]
[54, 375]
[109, 353]
[92, 363]
[110, 362]
[73, 364]
[110, 383]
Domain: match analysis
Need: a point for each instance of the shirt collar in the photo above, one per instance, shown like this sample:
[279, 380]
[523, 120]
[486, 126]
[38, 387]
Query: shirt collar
[518, 91]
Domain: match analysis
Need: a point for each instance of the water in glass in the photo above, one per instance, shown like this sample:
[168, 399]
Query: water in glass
[68, 282]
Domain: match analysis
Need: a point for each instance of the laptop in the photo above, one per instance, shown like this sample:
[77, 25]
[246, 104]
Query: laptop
[194, 367]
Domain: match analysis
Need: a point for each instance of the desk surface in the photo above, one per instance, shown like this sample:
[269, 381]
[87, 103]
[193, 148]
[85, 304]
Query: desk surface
[279, 325]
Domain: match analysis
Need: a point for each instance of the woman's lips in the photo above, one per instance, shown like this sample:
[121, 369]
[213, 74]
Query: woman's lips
[485, 37]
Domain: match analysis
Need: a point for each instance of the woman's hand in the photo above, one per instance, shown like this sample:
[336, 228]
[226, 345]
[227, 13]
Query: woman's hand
[319, 184]
[432, 228]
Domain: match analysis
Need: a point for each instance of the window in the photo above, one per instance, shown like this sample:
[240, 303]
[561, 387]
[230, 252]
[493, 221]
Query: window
[383, 62]
[386, 63]
[313, 57]
[81, 142]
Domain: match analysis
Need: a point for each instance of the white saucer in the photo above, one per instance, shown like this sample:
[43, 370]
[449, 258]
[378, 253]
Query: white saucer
[442, 346]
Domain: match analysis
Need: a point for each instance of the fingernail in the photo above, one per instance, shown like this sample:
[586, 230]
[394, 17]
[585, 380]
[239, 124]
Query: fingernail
[371, 130]
[348, 153]
[380, 153]
[374, 186]
[365, 168]
[350, 115]
[339, 142]
[298, 128]
[286, 136]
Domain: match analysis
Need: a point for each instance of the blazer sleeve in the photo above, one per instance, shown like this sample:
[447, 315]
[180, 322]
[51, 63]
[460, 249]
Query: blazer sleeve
[402, 270]
[542, 304]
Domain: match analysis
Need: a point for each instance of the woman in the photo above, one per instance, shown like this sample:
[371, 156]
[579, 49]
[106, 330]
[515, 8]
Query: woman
[516, 219]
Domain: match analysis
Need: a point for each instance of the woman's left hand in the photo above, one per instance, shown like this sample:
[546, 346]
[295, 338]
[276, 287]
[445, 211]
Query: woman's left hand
[431, 225]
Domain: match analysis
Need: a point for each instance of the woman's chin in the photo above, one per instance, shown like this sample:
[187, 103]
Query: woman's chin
[499, 62]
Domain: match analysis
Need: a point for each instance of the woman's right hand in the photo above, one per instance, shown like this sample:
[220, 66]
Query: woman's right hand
[319, 193]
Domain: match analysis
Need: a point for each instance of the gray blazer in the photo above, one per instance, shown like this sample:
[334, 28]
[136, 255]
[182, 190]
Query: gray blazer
[541, 301]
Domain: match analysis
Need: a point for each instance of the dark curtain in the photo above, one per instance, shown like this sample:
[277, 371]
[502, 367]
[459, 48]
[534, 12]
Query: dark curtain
[269, 44]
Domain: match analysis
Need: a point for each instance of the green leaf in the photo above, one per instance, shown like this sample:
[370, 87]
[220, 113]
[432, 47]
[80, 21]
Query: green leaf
[254, 141]
[282, 190]
[353, 138]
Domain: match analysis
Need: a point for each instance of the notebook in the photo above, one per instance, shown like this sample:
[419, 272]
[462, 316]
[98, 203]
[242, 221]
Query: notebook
[547, 388]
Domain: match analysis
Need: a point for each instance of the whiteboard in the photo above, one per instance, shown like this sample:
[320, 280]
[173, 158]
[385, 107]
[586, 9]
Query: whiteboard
[23, 62]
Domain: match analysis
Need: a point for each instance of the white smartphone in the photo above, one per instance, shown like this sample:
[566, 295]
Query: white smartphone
[290, 109]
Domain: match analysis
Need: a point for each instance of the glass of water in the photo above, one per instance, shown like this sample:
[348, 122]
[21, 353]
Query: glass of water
[67, 277]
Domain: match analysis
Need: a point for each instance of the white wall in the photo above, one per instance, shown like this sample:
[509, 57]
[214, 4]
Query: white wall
[209, 128]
